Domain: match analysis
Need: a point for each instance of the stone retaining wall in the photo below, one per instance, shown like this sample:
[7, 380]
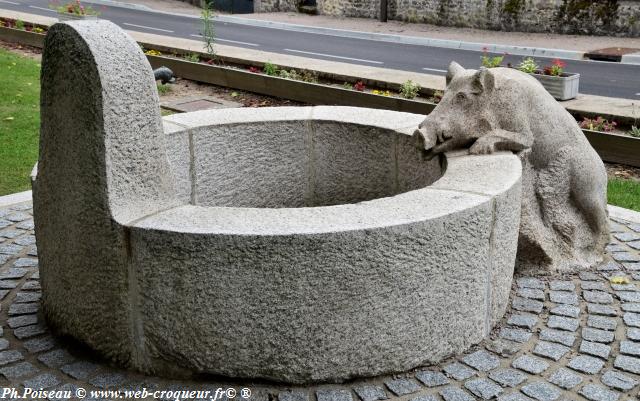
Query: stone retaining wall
[608, 17]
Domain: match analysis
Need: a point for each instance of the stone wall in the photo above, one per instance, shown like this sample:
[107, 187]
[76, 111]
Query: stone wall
[607, 17]
[267, 6]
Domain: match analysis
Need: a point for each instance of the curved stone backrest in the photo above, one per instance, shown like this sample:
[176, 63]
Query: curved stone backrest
[102, 165]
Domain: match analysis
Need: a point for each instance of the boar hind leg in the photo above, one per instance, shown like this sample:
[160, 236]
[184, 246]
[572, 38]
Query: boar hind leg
[499, 139]
[588, 191]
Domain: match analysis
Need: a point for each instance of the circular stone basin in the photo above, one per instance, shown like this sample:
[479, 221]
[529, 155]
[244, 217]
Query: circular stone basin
[306, 244]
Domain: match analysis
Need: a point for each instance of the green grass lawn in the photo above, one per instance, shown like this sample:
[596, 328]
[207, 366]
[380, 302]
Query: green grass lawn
[19, 120]
[624, 193]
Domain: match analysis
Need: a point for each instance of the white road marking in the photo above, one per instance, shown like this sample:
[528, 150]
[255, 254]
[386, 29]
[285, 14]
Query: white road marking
[147, 27]
[637, 94]
[229, 40]
[9, 2]
[42, 8]
[330, 55]
[434, 70]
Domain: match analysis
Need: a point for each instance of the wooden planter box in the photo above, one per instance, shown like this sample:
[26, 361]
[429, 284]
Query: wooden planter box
[615, 148]
[286, 88]
[560, 87]
[13, 35]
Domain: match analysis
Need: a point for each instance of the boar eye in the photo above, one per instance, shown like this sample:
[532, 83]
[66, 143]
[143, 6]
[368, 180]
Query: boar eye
[461, 96]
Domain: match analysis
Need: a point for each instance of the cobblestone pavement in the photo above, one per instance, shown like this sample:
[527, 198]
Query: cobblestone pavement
[565, 338]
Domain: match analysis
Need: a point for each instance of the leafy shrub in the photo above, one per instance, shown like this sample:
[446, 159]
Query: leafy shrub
[309, 76]
[489, 61]
[291, 74]
[556, 68]
[359, 86]
[20, 24]
[409, 89]
[193, 57]
[528, 65]
[598, 124]
[635, 131]
[347, 85]
[270, 69]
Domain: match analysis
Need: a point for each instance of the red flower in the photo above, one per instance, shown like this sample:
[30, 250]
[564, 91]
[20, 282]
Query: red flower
[359, 86]
[559, 63]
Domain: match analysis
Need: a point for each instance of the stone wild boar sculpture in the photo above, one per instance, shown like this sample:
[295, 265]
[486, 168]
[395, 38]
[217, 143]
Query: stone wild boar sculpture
[564, 222]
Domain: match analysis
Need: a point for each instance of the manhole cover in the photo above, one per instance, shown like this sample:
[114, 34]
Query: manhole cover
[610, 53]
[199, 103]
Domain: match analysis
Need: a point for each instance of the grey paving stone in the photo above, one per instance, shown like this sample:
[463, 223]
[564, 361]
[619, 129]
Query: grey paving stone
[523, 320]
[18, 370]
[4, 259]
[21, 321]
[44, 381]
[39, 344]
[597, 297]
[507, 377]
[455, 394]
[541, 391]
[370, 393]
[595, 349]
[9, 233]
[10, 249]
[518, 335]
[630, 307]
[402, 387]
[531, 293]
[8, 284]
[594, 392]
[31, 285]
[557, 285]
[530, 282]
[111, 380]
[25, 262]
[631, 319]
[3, 293]
[604, 323]
[563, 323]
[514, 397]
[71, 389]
[631, 266]
[624, 287]
[593, 285]
[566, 310]
[588, 276]
[23, 297]
[426, 397]
[5, 223]
[527, 305]
[458, 371]
[627, 236]
[627, 363]
[84, 369]
[14, 272]
[23, 309]
[586, 364]
[628, 296]
[293, 395]
[565, 378]
[633, 334]
[26, 225]
[597, 335]
[605, 310]
[625, 257]
[26, 240]
[29, 331]
[56, 358]
[17, 216]
[618, 380]
[530, 364]
[7, 357]
[483, 388]
[4, 344]
[634, 226]
[557, 336]
[563, 297]
[630, 348]
[32, 251]
[503, 347]
[482, 360]
[550, 350]
[432, 379]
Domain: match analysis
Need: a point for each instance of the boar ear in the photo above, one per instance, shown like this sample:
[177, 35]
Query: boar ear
[454, 69]
[484, 80]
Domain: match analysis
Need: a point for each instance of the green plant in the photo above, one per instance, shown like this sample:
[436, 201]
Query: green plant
[208, 31]
[437, 96]
[163, 89]
[347, 85]
[270, 68]
[635, 131]
[489, 61]
[193, 57]
[309, 76]
[409, 89]
[291, 74]
[74, 7]
[556, 68]
[528, 65]
[20, 24]
[598, 124]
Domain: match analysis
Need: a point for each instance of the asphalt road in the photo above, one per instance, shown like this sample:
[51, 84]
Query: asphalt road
[597, 78]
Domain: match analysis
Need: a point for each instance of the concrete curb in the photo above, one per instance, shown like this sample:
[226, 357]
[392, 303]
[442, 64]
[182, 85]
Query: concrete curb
[624, 214]
[381, 37]
[12, 199]
[633, 58]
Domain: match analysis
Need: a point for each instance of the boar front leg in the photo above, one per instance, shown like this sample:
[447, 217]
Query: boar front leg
[499, 139]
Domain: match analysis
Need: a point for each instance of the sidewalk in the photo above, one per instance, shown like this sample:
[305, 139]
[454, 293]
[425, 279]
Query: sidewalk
[541, 40]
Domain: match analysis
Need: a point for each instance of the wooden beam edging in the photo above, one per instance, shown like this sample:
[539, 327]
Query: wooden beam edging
[22, 37]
